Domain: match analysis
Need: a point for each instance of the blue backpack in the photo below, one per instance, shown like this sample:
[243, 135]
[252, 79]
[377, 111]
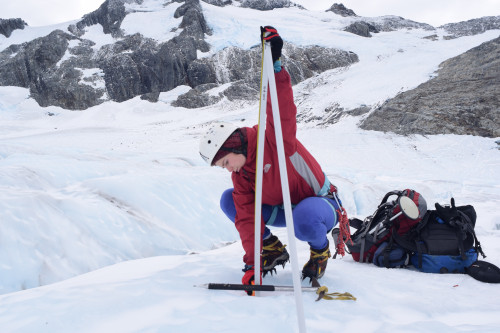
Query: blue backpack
[444, 241]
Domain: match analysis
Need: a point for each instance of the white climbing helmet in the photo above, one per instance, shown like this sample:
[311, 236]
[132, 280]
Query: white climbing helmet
[211, 142]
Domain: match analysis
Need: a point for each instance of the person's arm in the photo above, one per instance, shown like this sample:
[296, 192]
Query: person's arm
[244, 201]
[288, 113]
[287, 108]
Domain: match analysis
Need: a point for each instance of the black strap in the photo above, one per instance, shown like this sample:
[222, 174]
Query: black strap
[355, 223]
[381, 215]
[470, 229]
[362, 236]
[386, 257]
[362, 250]
[387, 251]
[420, 250]
[405, 242]
[460, 239]
[384, 200]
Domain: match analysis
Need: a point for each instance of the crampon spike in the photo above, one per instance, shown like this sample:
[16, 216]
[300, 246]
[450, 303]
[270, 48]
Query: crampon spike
[270, 271]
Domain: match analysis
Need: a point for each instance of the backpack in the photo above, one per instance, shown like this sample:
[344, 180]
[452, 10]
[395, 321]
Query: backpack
[444, 241]
[378, 228]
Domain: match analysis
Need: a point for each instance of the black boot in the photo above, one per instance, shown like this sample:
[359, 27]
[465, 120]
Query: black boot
[273, 253]
[316, 266]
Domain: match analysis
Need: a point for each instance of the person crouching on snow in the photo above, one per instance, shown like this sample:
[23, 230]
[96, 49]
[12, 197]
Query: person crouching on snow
[316, 206]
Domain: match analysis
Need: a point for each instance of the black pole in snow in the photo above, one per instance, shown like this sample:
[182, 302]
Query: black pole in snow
[246, 287]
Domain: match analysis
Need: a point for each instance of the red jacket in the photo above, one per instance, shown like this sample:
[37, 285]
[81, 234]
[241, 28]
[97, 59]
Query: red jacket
[305, 177]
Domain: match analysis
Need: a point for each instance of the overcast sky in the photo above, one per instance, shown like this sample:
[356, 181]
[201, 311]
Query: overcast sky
[434, 12]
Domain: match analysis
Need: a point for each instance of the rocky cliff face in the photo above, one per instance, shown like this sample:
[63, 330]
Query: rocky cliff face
[65, 70]
[264, 4]
[132, 66]
[110, 15]
[462, 99]
[363, 27]
[472, 27]
[255, 4]
[34, 65]
[242, 69]
[341, 10]
[9, 25]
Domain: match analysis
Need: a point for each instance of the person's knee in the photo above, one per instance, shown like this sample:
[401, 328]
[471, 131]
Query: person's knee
[227, 204]
[313, 217]
[304, 229]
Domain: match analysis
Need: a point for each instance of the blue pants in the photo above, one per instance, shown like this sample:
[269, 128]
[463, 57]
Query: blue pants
[313, 217]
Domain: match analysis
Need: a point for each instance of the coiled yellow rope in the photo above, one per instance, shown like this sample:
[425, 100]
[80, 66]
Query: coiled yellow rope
[323, 294]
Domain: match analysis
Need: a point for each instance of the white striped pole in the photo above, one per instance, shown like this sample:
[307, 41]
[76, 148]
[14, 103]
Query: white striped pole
[269, 69]
[259, 169]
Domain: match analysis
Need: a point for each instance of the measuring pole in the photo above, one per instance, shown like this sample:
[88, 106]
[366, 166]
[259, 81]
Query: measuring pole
[260, 169]
[269, 70]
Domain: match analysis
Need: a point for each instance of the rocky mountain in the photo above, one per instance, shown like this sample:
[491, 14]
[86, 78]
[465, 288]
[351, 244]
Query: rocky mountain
[9, 25]
[472, 27]
[66, 68]
[341, 10]
[241, 68]
[135, 65]
[462, 99]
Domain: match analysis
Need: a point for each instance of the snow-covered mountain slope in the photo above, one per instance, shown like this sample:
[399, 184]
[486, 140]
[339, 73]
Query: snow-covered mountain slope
[119, 182]
[143, 47]
[158, 295]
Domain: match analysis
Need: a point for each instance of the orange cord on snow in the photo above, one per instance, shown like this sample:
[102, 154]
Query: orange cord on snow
[344, 231]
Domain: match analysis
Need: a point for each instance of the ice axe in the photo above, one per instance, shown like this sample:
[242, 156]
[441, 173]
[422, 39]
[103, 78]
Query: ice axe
[322, 291]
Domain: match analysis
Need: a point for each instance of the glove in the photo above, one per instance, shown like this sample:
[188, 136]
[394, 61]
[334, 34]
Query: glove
[447, 213]
[270, 34]
[249, 279]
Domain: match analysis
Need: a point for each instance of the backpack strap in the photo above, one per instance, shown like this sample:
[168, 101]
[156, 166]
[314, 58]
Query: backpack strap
[387, 252]
[420, 250]
[366, 229]
[462, 222]
[384, 200]
[362, 250]
[416, 245]
[380, 217]
[363, 237]
[406, 243]
[467, 227]
[355, 223]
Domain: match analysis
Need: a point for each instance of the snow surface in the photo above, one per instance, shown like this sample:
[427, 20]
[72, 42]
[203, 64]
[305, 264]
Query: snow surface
[110, 217]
